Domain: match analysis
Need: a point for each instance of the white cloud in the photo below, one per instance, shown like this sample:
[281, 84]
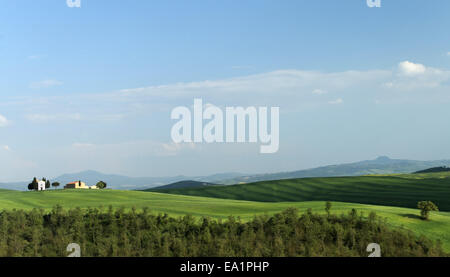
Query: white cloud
[172, 149]
[411, 69]
[292, 90]
[135, 148]
[336, 102]
[413, 76]
[45, 84]
[82, 145]
[288, 85]
[448, 53]
[6, 148]
[45, 118]
[284, 87]
[3, 121]
[242, 67]
[319, 91]
[35, 57]
[388, 84]
[108, 117]
[53, 117]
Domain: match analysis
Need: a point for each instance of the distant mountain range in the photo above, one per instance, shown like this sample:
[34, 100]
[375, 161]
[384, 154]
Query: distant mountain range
[131, 183]
[14, 185]
[381, 165]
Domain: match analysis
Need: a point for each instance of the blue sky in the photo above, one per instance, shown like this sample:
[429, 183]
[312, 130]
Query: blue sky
[93, 87]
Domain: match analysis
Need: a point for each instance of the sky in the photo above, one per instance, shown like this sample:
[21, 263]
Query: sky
[92, 88]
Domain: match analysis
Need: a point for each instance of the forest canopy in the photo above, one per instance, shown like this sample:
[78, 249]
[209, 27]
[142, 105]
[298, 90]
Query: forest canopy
[112, 233]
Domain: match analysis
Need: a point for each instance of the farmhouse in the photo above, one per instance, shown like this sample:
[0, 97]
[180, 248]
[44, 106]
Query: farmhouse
[76, 185]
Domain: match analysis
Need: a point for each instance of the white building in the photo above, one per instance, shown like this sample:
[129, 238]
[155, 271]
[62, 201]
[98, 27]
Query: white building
[41, 185]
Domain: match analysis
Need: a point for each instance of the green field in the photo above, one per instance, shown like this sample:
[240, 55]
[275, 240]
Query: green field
[178, 205]
[390, 190]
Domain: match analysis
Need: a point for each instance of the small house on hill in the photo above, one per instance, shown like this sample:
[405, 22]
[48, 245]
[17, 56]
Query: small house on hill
[76, 185]
[41, 185]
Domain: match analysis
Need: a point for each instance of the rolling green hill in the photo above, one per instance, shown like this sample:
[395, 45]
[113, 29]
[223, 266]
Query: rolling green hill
[434, 169]
[179, 205]
[390, 190]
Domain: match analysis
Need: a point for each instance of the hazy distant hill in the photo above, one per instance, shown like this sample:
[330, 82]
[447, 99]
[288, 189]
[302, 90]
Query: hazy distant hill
[185, 184]
[14, 185]
[114, 181]
[125, 182]
[381, 165]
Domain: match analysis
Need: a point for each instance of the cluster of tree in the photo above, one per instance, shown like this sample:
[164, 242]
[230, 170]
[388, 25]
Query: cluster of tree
[425, 208]
[101, 185]
[112, 233]
[34, 184]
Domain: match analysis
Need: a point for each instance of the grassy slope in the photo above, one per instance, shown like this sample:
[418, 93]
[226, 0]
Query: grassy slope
[394, 190]
[177, 205]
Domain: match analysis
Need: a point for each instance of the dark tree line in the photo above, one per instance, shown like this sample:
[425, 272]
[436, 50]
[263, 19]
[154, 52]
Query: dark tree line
[434, 170]
[112, 232]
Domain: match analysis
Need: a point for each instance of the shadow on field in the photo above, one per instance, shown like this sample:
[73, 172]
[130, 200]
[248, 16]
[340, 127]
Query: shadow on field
[413, 216]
